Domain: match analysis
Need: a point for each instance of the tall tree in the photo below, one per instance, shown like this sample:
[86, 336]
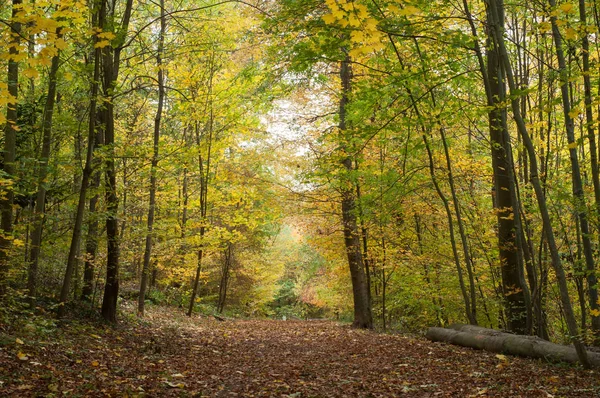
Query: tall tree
[42, 171]
[10, 142]
[155, 151]
[363, 317]
[87, 171]
[496, 7]
[507, 208]
[578, 193]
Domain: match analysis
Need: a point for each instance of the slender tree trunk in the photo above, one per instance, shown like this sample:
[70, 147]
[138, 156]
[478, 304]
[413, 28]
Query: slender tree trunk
[442, 196]
[196, 277]
[225, 272]
[76, 235]
[510, 264]
[111, 61]
[589, 117]
[461, 228]
[204, 172]
[91, 240]
[10, 144]
[111, 287]
[91, 243]
[154, 165]
[42, 173]
[363, 317]
[497, 32]
[364, 239]
[384, 283]
[578, 194]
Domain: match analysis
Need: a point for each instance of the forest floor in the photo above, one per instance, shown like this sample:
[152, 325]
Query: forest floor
[170, 355]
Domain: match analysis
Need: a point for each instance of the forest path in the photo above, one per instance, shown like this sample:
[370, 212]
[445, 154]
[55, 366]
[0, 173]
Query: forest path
[168, 354]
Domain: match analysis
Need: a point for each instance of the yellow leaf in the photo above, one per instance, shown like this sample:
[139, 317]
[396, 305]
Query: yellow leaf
[572, 145]
[544, 27]
[501, 357]
[371, 24]
[95, 363]
[339, 14]
[566, 7]
[570, 34]
[95, 336]
[61, 44]
[393, 8]
[22, 357]
[595, 312]
[574, 113]
[357, 36]
[107, 35]
[328, 19]
[19, 341]
[30, 73]
[353, 21]
[355, 52]
[409, 10]
[18, 243]
[102, 44]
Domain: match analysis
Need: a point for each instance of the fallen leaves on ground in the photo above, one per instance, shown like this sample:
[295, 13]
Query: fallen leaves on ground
[169, 355]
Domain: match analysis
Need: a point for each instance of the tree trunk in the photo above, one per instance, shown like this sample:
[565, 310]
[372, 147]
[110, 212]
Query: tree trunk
[225, 272]
[363, 317]
[204, 172]
[506, 208]
[42, 173]
[111, 61]
[154, 165]
[364, 238]
[461, 229]
[497, 33]
[76, 235]
[507, 343]
[91, 240]
[10, 144]
[470, 315]
[578, 194]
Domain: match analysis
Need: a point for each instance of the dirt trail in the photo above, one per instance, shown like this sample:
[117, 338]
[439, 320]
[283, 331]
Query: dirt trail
[168, 355]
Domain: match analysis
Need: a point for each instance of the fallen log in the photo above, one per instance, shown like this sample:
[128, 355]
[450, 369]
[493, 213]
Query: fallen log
[507, 343]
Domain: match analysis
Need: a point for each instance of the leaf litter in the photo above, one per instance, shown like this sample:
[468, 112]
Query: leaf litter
[169, 355]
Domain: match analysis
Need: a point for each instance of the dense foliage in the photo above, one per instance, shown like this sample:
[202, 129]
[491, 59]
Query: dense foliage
[244, 156]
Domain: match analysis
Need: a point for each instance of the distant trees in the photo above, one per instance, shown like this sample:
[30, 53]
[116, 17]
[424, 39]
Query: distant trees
[87, 64]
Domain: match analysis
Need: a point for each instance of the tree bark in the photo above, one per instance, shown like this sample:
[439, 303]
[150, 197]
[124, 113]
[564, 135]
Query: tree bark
[511, 264]
[578, 194]
[10, 145]
[507, 343]
[204, 172]
[154, 164]
[111, 61]
[76, 235]
[225, 272]
[42, 173]
[363, 317]
[497, 36]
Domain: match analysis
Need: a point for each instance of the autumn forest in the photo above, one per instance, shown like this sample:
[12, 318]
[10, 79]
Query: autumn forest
[359, 170]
